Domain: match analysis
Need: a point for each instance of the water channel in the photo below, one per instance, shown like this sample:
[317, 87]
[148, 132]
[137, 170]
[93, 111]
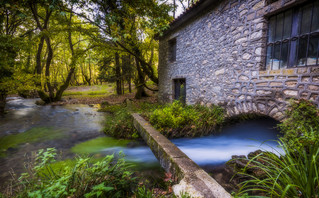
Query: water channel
[76, 129]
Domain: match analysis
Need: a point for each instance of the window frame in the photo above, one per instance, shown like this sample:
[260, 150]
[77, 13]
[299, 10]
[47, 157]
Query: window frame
[172, 49]
[177, 82]
[293, 40]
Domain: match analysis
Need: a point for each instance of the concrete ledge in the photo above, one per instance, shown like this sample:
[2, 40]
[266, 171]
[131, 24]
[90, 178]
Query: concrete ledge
[190, 177]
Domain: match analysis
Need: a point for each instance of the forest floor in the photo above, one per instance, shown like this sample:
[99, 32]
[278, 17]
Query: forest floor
[98, 94]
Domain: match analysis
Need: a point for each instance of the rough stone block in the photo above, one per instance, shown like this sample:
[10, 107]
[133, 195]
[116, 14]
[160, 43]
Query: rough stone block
[262, 84]
[220, 71]
[246, 56]
[243, 78]
[314, 97]
[305, 79]
[291, 83]
[313, 87]
[263, 92]
[289, 93]
[288, 71]
[275, 84]
[302, 70]
[258, 5]
[315, 79]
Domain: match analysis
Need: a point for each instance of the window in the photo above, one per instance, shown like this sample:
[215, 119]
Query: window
[172, 50]
[293, 37]
[180, 89]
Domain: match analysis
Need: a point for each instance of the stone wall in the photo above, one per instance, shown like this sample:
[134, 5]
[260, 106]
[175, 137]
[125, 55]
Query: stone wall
[221, 54]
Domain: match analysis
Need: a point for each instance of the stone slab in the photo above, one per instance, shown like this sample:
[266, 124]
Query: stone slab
[191, 178]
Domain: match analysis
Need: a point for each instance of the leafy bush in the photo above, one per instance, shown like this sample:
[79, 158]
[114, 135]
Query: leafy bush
[291, 173]
[302, 123]
[179, 120]
[105, 178]
[120, 123]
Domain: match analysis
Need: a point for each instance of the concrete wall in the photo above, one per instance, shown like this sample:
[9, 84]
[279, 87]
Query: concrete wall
[221, 54]
[190, 177]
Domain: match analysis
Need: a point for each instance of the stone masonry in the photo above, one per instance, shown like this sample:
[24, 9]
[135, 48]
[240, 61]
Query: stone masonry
[221, 54]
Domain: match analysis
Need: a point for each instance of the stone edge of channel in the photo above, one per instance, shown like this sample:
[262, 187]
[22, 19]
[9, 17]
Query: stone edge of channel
[190, 177]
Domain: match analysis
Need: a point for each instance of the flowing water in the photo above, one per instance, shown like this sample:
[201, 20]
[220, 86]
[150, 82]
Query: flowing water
[76, 129]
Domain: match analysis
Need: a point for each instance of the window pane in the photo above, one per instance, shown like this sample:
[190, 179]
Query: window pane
[313, 50]
[271, 33]
[302, 52]
[306, 19]
[287, 24]
[284, 55]
[276, 59]
[269, 57]
[315, 17]
[279, 27]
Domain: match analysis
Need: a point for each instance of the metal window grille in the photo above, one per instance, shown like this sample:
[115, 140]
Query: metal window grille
[293, 37]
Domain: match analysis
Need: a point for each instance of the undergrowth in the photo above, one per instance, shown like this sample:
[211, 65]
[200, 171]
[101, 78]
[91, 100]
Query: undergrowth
[179, 120]
[294, 170]
[119, 123]
[302, 124]
[108, 177]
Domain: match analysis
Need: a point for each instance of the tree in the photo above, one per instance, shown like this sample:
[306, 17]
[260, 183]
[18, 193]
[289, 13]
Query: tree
[126, 24]
[44, 13]
[11, 18]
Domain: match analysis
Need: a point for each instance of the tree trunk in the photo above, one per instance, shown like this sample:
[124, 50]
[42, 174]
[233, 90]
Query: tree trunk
[47, 68]
[129, 85]
[118, 74]
[3, 97]
[65, 85]
[140, 91]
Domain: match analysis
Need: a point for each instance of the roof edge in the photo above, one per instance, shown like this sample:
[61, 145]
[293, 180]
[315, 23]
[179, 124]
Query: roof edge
[197, 9]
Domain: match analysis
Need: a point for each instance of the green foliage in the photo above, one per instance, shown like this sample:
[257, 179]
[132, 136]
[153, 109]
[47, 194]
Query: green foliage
[142, 192]
[105, 178]
[96, 145]
[178, 120]
[292, 172]
[120, 123]
[302, 123]
[32, 135]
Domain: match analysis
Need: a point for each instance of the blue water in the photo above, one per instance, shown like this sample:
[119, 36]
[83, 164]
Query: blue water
[82, 122]
[237, 139]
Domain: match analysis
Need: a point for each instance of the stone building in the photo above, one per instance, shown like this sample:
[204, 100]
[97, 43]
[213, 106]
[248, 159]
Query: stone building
[248, 55]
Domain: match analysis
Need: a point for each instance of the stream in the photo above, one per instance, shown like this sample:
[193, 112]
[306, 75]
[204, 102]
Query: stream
[76, 129]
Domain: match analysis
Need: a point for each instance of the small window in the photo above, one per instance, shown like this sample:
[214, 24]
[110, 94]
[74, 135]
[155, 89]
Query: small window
[180, 89]
[293, 37]
[172, 50]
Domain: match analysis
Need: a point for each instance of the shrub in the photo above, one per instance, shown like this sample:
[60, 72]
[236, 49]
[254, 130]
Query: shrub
[178, 120]
[105, 178]
[120, 123]
[302, 123]
[291, 173]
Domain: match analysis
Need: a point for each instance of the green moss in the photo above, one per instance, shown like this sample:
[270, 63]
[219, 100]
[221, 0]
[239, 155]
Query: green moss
[33, 135]
[96, 145]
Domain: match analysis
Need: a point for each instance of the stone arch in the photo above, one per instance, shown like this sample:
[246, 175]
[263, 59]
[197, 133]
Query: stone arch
[271, 108]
